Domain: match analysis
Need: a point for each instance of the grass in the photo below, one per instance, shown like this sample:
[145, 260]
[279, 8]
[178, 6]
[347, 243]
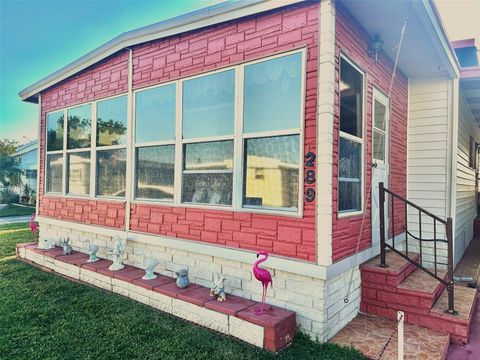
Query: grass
[10, 235]
[16, 210]
[44, 316]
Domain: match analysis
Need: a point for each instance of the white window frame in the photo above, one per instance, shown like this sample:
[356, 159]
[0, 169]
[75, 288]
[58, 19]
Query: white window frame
[92, 149]
[238, 138]
[356, 139]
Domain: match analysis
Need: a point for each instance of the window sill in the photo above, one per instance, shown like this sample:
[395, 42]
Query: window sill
[349, 214]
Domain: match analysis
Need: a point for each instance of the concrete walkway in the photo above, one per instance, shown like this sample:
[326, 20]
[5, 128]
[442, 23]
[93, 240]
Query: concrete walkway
[469, 266]
[14, 219]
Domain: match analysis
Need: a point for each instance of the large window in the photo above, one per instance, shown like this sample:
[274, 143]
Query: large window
[111, 153]
[230, 138]
[350, 174]
[55, 152]
[79, 134]
[155, 117]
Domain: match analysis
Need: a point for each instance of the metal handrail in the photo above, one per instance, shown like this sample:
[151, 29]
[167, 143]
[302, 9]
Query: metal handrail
[448, 282]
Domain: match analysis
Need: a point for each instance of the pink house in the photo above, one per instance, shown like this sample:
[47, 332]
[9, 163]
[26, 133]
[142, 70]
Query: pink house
[266, 125]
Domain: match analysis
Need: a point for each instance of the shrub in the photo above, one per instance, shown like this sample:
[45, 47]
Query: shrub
[8, 196]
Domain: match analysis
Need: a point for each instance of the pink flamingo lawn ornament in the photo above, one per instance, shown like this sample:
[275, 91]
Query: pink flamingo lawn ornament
[33, 227]
[264, 276]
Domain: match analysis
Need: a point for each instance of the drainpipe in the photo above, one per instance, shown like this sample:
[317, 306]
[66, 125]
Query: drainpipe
[130, 153]
[39, 147]
[453, 147]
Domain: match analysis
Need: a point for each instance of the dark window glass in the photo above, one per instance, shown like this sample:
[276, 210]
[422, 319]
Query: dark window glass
[79, 173]
[271, 168]
[272, 94]
[208, 105]
[350, 176]
[112, 121]
[351, 99]
[111, 172]
[207, 173]
[155, 169]
[79, 126]
[155, 114]
[54, 168]
[55, 131]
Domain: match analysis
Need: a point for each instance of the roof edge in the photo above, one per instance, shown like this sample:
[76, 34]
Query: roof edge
[215, 14]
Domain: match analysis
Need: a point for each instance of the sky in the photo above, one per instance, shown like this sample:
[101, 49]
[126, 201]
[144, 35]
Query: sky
[40, 37]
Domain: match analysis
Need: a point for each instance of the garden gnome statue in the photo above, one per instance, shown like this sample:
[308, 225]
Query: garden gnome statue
[264, 276]
[117, 252]
[218, 289]
[182, 279]
[149, 265]
[92, 251]
[67, 248]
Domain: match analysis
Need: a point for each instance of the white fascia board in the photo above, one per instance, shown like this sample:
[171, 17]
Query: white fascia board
[440, 39]
[208, 16]
[274, 262]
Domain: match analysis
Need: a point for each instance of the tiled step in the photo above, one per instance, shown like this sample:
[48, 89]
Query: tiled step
[422, 298]
[272, 330]
[375, 336]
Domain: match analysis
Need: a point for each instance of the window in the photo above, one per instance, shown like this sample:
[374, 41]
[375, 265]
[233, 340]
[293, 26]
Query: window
[155, 119]
[79, 134]
[111, 153]
[350, 174]
[473, 153]
[207, 173]
[379, 131]
[208, 113]
[55, 152]
[272, 104]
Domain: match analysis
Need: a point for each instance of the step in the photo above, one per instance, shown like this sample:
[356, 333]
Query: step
[423, 298]
[237, 317]
[458, 325]
[369, 334]
[397, 270]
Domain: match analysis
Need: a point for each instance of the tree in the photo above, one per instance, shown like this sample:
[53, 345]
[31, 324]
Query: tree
[10, 170]
[7, 146]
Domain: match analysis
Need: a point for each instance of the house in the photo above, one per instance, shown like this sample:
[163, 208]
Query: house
[266, 125]
[27, 155]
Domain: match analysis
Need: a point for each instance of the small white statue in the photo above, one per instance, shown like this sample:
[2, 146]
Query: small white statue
[46, 244]
[92, 251]
[117, 252]
[67, 248]
[149, 265]
[218, 288]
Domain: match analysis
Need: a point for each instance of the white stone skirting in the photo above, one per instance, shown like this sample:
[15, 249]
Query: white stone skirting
[319, 304]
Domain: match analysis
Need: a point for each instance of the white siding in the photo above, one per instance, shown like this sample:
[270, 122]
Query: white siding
[465, 206]
[428, 137]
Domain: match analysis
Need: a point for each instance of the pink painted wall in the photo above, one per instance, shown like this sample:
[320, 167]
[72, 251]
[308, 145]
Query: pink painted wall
[179, 56]
[352, 40]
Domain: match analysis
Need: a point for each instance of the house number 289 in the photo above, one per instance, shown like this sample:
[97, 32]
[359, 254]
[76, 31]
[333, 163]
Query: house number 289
[310, 176]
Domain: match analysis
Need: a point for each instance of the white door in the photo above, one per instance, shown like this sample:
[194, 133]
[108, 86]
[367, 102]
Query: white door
[380, 162]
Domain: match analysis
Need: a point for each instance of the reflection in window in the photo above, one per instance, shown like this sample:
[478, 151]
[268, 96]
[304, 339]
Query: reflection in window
[207, 173]
[155, 114]
[208, 105]
[271, 172]
[272, 94]
[349, 176]
[112, 121]
[351, 99]
[79, 173]
[54, 170]
[154, 173]
[111, 172]
[55, 131]
[79, 127]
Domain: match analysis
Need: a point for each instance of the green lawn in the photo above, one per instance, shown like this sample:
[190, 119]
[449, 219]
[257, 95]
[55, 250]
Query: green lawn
[44, 316]
[16, 210]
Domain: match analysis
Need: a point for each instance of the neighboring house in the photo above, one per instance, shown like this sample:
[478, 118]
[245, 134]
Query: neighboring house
[27, 155]
[188, 137]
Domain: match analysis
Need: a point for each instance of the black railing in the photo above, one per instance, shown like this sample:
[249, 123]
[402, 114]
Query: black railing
[384, 246]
